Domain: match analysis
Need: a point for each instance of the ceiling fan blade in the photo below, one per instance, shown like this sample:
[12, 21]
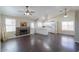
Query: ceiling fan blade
[31, 14]
[27, 7]
[60, 10]
[32, 11]
[21, 11]
[63, 10]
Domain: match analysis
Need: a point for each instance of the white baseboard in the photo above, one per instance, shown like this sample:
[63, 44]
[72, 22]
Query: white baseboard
[19, 36]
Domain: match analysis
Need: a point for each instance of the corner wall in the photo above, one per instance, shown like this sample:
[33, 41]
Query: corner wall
[0, 27]
[60, 18]
[18, 20]
[77, 26]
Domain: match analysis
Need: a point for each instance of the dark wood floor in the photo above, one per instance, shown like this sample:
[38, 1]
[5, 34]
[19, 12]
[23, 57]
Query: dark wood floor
[40, 43]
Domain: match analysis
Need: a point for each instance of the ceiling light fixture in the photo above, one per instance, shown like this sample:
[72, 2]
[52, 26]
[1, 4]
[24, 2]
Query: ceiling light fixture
[65, 15]
[28, 12]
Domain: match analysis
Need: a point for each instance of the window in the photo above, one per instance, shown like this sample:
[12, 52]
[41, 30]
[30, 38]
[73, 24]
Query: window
[67, 25]
[10, 25]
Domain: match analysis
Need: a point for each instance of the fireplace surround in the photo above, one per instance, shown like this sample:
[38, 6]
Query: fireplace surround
[22, 30]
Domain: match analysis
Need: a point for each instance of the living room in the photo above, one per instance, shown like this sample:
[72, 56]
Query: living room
[39, 28]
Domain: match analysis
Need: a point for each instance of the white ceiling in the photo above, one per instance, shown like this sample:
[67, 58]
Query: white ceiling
[39, 10]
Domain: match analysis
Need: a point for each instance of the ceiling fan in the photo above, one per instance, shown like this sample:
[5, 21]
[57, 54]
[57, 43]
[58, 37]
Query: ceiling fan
[65, 11]
[28, 11]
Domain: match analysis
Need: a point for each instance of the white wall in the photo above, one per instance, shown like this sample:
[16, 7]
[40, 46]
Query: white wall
[77, 26]
[0, 28]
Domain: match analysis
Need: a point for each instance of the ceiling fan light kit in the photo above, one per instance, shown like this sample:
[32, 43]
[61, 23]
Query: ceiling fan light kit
[65, 15]
[28, 12]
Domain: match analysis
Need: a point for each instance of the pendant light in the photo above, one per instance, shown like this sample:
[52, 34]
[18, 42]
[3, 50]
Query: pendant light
[65, 14]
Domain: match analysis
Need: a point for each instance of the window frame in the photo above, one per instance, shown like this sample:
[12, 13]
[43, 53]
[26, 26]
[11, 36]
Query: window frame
[68, 26]
[8, 25]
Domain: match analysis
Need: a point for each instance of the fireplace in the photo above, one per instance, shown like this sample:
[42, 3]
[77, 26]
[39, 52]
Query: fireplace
[23, 31]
